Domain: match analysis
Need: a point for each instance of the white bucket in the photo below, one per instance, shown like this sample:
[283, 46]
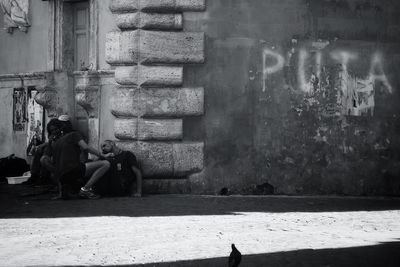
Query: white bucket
[17, 179]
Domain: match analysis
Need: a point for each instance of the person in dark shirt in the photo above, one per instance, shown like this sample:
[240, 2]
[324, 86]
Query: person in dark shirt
[66, 153]
[41, 171]
[124, 171]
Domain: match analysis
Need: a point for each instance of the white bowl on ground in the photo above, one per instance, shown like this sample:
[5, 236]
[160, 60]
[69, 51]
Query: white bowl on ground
[17, 179]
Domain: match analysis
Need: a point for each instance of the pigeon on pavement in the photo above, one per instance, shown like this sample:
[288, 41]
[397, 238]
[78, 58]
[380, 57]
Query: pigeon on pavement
[235, 257]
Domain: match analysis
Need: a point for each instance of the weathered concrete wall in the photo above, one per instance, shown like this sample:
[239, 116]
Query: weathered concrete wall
[300, 94]
[26, 52]
[6, 129]
[107, 23]
[20, 52]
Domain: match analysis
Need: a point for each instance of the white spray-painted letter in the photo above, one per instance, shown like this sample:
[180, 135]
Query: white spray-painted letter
[318, 62]
[301, 75]
[377, 65]
[280, 61]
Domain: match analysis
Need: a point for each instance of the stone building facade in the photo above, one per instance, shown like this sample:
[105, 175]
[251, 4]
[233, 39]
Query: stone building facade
[298, 94]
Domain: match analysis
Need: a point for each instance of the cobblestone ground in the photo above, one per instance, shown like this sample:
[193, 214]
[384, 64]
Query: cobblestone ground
[198, 231]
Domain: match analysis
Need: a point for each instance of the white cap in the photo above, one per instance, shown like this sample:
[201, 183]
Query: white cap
[63, 118]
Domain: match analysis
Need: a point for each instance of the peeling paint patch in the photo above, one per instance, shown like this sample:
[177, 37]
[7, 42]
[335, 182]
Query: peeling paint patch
[357, 96]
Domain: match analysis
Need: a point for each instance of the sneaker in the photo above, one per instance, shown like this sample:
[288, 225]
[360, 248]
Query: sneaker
[88, 193]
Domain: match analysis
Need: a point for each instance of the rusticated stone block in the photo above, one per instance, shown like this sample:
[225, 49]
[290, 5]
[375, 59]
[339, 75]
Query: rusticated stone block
[167, 159]
[145, 129]
[149, 76]
[154, 47]
[139, 20]
[123, 6]
[156, 159]
[152, 102]
[171, 47]
[125, 102]
[121, 47]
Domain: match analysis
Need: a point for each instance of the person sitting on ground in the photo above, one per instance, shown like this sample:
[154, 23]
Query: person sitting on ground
[41, 171]
[54, 133]
[66, 153]
[123, 171]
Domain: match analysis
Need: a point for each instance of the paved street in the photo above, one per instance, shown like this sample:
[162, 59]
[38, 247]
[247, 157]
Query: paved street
[171, 230]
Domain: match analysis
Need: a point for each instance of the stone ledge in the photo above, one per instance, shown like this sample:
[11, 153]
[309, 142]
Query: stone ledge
[95, 73]
[37, 79]
[154, 47]
[122, 6]
[122, 47]
[157, 102]
[167, 159]
[18, 76]
[148, 129]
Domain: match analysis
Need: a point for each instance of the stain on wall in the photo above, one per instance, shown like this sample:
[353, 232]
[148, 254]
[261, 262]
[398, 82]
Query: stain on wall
[300, 94]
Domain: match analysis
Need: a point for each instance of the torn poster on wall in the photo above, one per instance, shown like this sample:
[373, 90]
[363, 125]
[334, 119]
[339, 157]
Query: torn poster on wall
[15, 14]
[19, 109]
[35, 122]
[357, 95]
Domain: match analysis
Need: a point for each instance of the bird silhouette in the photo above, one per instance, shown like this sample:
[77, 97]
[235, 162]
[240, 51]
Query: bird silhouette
[86, 68]
[235, 257]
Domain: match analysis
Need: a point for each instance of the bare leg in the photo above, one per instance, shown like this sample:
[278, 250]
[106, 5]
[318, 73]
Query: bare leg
[139, 179]
[95, 170]
[139, 186]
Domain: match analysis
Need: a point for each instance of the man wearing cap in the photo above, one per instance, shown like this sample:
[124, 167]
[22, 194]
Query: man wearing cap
[69, 168]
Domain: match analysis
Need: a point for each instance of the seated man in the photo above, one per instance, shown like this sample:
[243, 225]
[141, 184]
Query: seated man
[41, 171]
[123, 171]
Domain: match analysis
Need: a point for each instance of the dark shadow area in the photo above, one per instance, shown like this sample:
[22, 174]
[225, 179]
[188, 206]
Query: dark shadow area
[384, 254]
[19, 201]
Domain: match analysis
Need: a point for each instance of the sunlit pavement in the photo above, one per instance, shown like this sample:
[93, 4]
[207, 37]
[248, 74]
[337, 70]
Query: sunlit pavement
[143, 238]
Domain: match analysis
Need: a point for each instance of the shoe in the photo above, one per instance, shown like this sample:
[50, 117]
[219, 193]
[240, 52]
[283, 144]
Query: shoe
[88, 193]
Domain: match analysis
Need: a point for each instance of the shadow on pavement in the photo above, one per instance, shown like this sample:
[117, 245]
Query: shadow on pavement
[18, 201]
[384, 254]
